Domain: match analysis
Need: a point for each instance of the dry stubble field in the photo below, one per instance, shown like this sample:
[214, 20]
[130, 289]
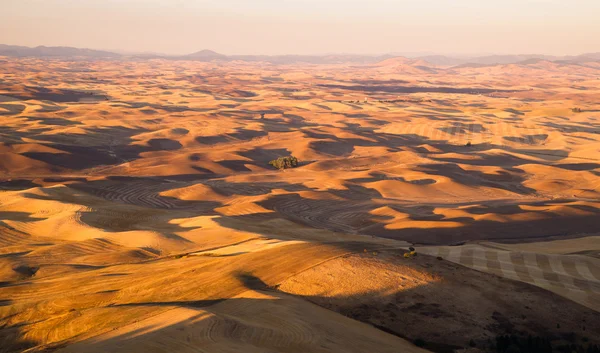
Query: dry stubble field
[138, 211]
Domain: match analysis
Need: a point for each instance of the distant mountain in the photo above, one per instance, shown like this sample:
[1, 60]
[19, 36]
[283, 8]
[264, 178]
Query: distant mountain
[43, 51]
[532, 61]
[407, 66]
[492, 60]
[509, 59]
[203, 55]
[208, 55]
[587, 57]
[442, 60]
[419, 62]
[520, 59]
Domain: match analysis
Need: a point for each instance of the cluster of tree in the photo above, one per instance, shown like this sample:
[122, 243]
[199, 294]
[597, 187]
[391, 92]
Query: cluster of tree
[578, 348]
[403, 100]
[351, 102]
[412, 253]
[576, 110]
[514, 344]
[419, 342]
[284, 162]
[530, 344]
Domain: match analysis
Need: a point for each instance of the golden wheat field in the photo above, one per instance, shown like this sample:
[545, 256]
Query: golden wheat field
[139, 212]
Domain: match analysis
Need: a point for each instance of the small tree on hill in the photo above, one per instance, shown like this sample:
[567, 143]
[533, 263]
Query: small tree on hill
[284, 162]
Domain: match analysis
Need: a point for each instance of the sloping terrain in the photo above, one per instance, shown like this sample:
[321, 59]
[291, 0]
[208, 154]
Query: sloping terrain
[139, 212]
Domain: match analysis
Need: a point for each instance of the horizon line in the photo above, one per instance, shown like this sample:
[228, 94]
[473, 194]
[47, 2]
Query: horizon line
[407, 54]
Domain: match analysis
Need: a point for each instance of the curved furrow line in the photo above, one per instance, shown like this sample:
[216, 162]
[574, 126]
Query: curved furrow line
[9, 236]
[327, 214]
[283, 335]
[73, 250]
[143, 194]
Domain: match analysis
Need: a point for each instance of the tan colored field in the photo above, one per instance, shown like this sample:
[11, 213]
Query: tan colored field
[138, 211]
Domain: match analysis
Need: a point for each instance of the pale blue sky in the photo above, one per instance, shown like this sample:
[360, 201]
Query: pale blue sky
[307, 26]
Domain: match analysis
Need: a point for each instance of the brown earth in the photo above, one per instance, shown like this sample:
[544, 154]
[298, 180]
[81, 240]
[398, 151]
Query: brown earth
[138, 210]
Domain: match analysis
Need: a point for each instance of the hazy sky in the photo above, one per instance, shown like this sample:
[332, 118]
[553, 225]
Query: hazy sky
[307, 26]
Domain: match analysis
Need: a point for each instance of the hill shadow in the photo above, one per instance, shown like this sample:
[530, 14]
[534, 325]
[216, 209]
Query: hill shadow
[58, 95]
[143, 193]
[509, 179]
[458, 306]
[415, 89]
[353, 213]
[453, 307]
[98, 147]
[17, 184]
